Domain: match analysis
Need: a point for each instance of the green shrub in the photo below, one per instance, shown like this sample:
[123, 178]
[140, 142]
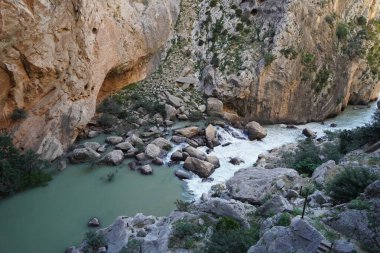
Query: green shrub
[289, 53]
[359, 204]
[308, 59]
[284, 220]
[195, 116]
[94, 240]
[305, 158]
[109, 105]
[356, 138]
[330, 20]
[348, 184]
[342, 31]
[18, 114]
[322, 78]
[361, 20]
[229, 237]
[184, 234]
[269, 58]
[182, 206]
[19, 171]
[226, 224]
[107, 120]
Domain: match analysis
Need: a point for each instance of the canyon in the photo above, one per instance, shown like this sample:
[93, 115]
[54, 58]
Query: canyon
[277, 61]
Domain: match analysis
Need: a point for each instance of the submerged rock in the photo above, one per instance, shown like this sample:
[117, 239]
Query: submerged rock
[146, 170]
[93, 222]
[236, 161]
[182, 174]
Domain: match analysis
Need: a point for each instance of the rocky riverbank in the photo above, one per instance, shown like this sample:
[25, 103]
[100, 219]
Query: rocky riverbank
[269, 201]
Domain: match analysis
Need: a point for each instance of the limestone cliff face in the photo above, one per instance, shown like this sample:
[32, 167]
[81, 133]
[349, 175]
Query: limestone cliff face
[58, 58]
[289, 60]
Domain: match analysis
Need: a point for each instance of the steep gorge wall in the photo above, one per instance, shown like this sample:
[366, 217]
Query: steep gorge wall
[58, 58]
[282, 61]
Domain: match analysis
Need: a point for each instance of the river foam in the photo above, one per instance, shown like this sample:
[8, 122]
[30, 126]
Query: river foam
[277, 136]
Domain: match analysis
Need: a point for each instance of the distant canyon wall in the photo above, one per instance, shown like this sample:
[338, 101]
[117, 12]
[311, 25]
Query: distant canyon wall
[58, 57]
[290, 61]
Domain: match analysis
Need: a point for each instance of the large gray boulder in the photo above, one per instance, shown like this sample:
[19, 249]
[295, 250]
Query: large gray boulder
[193, 152]
[255, 131]
[213, 160]
[373, 190]
[230, 208]
[82, 155]
[152, 151]
[252, 184]
[299, 237]
[188, 132]
[114, 157]
[201, 168]
[360, 225]
[309, 133]
[276, 204]
[146, 170]
[324, 172]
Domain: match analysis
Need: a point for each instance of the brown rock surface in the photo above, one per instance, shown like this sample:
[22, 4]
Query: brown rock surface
[58, 59]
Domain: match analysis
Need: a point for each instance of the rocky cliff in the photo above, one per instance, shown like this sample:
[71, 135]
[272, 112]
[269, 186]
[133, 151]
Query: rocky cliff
[289, 60]
[58, 58]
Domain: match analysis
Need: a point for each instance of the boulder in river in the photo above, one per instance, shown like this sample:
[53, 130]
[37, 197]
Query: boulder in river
[236, 161]
[211, 136]
[199, 167]
[114, 157]
[82, 155]
[193, 152]
[162, 143]
[114, 140]
[213, 160]
[188, 132]
[146, 170]
[255, 131]
[125, 146]
[177, 156]
[309, 133]
[181, 174]
[152, 151]
[93, 222]
[92, 145]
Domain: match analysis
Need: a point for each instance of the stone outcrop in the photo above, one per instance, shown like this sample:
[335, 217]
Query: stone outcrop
[282, 61]
[60, 58]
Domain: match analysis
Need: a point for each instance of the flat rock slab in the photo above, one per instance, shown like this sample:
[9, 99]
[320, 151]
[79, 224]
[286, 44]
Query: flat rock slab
[187, 80]
[252, 184]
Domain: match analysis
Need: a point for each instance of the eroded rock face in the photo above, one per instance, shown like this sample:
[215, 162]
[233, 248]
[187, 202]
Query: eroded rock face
[59, 58]
[282, 61]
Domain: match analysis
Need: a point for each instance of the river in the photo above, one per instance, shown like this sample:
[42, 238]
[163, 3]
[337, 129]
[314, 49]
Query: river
[51, 218]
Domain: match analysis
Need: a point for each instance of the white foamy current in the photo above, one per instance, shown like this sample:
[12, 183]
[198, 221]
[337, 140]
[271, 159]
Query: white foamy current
[278, 135]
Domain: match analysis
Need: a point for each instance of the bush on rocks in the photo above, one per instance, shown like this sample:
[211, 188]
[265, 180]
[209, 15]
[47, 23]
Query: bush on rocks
[348, 184]
[19, 171]
[94, 241]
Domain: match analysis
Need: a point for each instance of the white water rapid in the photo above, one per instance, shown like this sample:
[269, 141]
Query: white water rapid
[277, 136]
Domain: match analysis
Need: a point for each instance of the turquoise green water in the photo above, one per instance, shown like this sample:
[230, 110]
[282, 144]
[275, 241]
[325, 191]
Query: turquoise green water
[49, 219]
